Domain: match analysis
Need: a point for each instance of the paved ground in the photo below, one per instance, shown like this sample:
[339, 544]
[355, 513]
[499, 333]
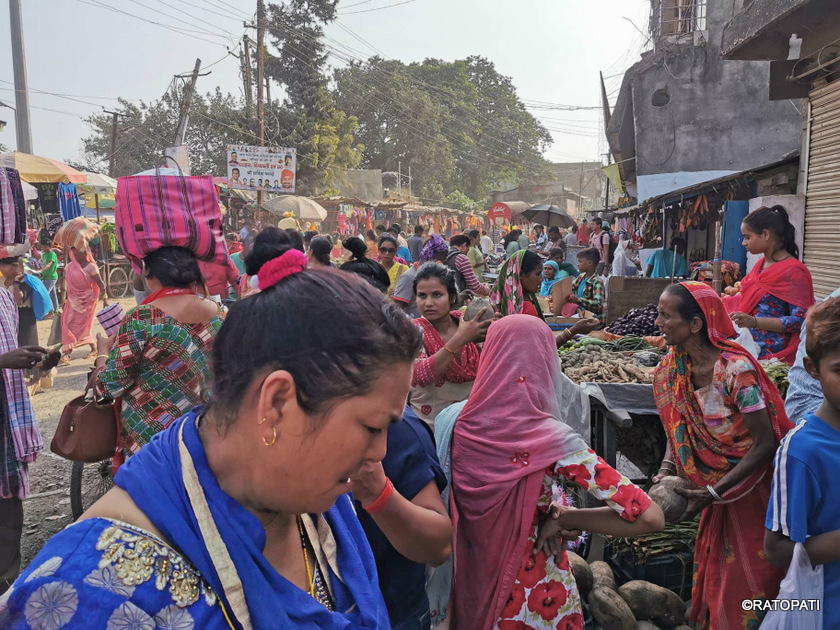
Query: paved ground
[47, 510]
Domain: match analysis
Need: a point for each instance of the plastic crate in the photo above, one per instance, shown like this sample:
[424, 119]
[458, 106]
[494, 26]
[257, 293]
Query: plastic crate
[673, 571]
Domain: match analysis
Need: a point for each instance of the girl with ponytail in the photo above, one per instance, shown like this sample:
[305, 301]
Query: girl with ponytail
[777, 292]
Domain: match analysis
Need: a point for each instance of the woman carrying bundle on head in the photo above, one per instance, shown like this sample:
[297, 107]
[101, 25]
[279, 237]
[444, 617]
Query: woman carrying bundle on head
[83, 286]
[360, 264]
[158, 361]
[778, 291]
[240, 515]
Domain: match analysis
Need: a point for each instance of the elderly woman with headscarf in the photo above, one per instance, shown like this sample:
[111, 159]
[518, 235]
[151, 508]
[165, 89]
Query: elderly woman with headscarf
[724, 419]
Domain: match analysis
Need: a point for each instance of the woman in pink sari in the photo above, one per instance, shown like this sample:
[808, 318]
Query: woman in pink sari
[82, 286]
[510, 455]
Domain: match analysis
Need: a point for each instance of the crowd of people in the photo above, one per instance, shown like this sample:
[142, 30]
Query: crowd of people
[331, 441]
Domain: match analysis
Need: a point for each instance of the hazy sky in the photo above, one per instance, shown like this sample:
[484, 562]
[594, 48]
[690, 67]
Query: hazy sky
[552, 49]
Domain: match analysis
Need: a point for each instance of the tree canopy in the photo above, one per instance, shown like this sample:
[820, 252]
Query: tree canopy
[457, 126]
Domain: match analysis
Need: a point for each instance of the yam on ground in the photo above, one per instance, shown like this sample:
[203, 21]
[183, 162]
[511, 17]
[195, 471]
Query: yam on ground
[603, 574]
[610, 611]
[665, 496]
[582, 572]
[656, 603]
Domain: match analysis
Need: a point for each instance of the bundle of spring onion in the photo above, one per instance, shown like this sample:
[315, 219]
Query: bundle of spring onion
[778, 373]
[676, 537]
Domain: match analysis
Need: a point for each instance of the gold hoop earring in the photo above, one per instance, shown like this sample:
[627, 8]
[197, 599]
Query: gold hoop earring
[273, 439]
[263, 420]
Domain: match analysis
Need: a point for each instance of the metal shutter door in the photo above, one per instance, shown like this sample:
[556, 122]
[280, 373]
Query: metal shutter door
[822, 209]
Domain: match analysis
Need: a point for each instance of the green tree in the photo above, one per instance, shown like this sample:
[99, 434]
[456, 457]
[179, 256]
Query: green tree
[459, 125]
[309, 119]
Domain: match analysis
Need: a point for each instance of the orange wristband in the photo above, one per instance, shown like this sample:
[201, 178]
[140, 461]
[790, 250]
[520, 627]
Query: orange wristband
[381, 500]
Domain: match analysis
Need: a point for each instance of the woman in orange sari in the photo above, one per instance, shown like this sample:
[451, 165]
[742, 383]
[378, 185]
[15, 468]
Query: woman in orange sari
[82, 285]
[724, 419]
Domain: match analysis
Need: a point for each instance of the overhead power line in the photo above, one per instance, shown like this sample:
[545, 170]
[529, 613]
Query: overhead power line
[389, 6]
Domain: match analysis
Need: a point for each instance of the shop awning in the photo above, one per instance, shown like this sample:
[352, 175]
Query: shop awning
[36, 169]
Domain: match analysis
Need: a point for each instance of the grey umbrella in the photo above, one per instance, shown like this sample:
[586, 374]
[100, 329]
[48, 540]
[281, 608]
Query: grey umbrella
[549, 216]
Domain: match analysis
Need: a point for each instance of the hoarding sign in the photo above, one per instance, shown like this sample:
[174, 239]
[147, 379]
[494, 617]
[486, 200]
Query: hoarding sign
[261, 168]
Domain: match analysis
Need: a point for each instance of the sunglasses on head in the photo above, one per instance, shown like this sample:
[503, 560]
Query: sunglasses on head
[387, 250]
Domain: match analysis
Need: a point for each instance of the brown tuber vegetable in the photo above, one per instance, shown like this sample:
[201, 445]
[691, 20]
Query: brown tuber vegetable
[582, 572]
[656, 603]
[602, 575]
[610, 611]
[665, 496]
[474, 308]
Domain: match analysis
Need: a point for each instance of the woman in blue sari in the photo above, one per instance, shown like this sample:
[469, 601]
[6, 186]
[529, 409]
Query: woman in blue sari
[238, 515]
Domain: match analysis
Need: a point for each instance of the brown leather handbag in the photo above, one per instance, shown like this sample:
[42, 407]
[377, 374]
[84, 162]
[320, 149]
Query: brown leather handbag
[87, 430]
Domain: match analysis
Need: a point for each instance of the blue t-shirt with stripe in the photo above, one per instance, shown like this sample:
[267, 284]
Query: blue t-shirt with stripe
[804, 501]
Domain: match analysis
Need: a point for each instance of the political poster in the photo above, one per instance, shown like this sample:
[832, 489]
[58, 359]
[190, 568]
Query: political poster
[261, 168]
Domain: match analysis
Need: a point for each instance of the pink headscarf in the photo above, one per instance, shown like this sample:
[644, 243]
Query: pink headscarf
[504, 439]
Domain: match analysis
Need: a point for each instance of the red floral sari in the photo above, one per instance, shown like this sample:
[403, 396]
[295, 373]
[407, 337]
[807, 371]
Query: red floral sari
[729, 561]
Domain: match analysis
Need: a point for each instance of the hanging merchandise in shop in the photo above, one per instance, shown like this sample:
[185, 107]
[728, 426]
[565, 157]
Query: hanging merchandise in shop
[68, 201]
[12, 207]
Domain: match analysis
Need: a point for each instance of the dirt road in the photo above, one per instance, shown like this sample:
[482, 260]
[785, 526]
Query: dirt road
[47, 510]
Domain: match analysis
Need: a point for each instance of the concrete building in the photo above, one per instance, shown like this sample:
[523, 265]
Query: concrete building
[684, 115]
[577, 188]
[801, 41]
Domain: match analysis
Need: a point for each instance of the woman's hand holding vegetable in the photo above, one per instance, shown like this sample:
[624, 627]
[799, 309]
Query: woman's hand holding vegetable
[698, 500]
[585, 326]
[368, 482]
[472, 331]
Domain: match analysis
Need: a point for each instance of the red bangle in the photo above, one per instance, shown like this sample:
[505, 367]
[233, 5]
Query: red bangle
[381, 500]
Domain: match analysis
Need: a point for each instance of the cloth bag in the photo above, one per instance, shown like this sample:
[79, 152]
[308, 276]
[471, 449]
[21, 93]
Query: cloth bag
[55, 330]
[77, 233]
[111, 318]
[87, 431]
[801, 582]
[154, 211]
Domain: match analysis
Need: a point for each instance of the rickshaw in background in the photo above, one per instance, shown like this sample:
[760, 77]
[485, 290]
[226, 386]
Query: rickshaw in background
[115, 268]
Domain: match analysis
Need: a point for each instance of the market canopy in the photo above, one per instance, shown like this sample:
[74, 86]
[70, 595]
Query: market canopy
[549, 216]
[41, 170]
[100, 184]
[299, 207]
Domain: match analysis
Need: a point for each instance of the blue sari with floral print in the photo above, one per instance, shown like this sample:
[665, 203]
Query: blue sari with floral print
[102, 573]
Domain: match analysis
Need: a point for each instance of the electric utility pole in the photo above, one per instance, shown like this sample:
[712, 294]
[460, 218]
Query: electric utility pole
[260, 82]
[112, 158]
[246, 74]
[184, 119]
[22, 128]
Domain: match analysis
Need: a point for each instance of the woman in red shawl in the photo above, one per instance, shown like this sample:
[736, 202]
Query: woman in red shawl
[445, 370]
[778, 291]
[510, 455]
[724, 419]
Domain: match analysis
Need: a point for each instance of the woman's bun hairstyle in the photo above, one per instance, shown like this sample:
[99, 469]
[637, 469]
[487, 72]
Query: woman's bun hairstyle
[269, 244]
[357, 247]
[173, 267]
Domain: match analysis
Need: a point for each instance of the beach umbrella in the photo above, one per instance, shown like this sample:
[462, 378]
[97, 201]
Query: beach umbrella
[41, 170]
[300, 207]
[549, 216]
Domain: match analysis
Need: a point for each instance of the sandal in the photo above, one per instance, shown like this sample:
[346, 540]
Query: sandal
[66, 360]
[90, 355]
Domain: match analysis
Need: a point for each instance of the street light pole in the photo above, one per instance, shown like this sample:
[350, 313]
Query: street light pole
[24, 133]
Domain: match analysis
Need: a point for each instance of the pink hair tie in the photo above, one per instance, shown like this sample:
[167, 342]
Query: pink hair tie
[275, 270]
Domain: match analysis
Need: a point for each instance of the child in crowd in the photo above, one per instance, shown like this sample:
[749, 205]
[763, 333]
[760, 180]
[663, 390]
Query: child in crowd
[802, 507]
[588, 289]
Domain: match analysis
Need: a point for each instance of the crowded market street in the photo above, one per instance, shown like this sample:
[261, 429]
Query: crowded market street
[465, 336]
